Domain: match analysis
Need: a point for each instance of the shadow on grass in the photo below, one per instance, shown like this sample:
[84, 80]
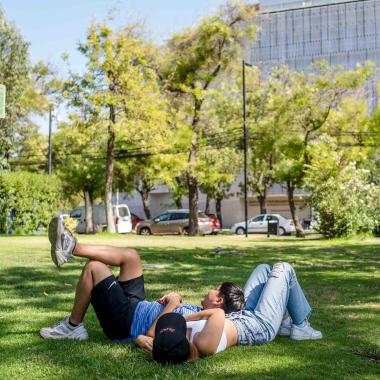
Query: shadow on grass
[340, 281]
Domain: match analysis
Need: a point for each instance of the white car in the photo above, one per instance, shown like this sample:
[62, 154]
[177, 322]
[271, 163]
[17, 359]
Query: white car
[259, 224]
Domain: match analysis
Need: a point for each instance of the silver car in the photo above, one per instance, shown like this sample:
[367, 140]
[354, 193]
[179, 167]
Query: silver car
[173, 222]
[259, 224]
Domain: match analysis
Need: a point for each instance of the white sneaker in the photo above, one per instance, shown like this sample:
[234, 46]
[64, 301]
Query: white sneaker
[63, 330]
[62, 242]
[285, 327]
[305, 333]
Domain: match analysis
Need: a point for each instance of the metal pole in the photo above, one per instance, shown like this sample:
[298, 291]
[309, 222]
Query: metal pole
[50, 147]
[245, 156]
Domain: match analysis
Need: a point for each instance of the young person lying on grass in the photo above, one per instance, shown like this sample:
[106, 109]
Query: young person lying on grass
[120, 304]
[272, 292]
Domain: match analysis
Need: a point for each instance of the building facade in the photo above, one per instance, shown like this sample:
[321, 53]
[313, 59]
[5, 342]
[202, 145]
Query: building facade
[300, 33]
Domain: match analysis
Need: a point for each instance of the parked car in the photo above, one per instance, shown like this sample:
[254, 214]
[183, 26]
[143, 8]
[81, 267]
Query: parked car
[173, 222]
[215, 224]
[259, 224]
[121, 213]
[135, 219]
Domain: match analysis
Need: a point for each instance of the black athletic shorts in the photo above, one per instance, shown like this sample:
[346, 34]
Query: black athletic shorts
[115, 303]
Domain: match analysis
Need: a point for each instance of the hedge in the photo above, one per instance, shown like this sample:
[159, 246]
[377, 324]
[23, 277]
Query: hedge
[28, 201]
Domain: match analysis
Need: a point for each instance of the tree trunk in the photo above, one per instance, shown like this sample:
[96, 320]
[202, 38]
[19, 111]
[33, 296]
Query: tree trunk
[178, 202]
[292, 206]
[193, 205]
[144, 197]
[192, 181]
[207, 206]
[89, 229]
[262, 198]
[218, 206]
[109, 172]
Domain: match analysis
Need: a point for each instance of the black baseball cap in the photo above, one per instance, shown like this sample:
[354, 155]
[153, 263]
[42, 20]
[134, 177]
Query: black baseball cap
[170, 344]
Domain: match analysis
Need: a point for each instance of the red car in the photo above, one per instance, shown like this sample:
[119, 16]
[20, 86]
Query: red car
[215, 224]
[135, 219]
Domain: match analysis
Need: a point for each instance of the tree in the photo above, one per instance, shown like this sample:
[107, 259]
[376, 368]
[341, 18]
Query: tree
[267, 102]
[79, 164]
[193, 61]
[14, 70]
[313, 98]
[343, 200]
[121, 89]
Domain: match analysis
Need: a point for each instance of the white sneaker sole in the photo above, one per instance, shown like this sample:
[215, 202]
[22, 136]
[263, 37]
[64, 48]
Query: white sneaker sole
[45, 333]
[55, 229]
[300, 337]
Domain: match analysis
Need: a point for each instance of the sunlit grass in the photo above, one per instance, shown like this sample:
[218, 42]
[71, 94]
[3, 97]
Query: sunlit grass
[341, 279]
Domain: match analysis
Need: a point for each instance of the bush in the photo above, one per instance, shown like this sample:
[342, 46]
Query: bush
[28, 201]
[345, 203]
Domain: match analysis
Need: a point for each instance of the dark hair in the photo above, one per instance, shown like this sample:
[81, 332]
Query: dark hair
[233, 297]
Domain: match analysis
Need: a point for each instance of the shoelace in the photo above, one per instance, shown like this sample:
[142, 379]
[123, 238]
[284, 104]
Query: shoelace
[59, 322]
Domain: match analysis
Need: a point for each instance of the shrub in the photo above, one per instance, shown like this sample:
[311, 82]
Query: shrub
[344, 203]
[31, 198]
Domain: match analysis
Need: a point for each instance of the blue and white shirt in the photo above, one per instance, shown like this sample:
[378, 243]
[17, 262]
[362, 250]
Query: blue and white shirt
[147, 312]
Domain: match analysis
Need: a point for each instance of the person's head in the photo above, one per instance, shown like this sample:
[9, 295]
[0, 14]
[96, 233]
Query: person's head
[228, 296]
[170, 344]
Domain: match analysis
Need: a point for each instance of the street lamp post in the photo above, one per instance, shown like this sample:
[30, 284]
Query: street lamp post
[245, 149]
[50, 147]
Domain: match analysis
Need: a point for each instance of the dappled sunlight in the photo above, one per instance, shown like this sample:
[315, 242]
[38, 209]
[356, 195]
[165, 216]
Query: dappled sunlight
[340, 278]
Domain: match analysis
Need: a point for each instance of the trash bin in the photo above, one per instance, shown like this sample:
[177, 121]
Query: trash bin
[272, 227]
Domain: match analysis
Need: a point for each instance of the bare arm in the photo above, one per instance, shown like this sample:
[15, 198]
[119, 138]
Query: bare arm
[172, 301]
[208, 339]
[204, 314]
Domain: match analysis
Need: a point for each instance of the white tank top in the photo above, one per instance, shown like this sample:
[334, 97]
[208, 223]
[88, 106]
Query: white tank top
[197, 326]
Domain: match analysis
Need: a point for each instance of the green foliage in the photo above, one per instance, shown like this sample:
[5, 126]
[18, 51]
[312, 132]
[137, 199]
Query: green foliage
[343, 200]
[34, 199]
[27, 88]
[14, 69]
[80, 166]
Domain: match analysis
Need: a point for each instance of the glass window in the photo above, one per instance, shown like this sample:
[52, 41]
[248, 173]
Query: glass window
[76, 214]
[123, 211]
[179, 215]
[259, 218]
[272, 217]
[164, 217]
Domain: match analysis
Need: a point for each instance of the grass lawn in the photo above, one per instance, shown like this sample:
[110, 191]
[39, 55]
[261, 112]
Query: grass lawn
[341, 280]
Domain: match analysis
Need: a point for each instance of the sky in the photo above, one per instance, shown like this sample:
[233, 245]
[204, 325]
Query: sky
[54, 27]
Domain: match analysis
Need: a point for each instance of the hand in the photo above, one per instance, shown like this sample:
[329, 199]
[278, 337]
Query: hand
[173, 298]
[146, 343]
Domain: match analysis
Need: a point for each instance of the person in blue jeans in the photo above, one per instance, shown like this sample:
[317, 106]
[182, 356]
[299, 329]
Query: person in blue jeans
[271, 293]
[267, 301]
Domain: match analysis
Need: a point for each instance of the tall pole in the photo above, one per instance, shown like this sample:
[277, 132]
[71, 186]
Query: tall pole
[245, 155]
[50, 147]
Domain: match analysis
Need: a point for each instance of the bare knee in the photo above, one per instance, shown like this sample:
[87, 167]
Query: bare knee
[96, 271]
[94, 266]
[130, 256]
[131, 266]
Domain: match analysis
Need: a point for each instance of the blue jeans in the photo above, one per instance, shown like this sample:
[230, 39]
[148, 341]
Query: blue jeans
[269, 292]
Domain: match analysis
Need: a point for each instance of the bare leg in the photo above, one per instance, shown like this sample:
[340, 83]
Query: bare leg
[93, 272]
[127, 259]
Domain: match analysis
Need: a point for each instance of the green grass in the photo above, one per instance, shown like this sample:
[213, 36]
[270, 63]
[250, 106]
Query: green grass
[341, 280]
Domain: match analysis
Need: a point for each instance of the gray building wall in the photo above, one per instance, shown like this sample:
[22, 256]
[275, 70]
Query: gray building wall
[300, 33]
